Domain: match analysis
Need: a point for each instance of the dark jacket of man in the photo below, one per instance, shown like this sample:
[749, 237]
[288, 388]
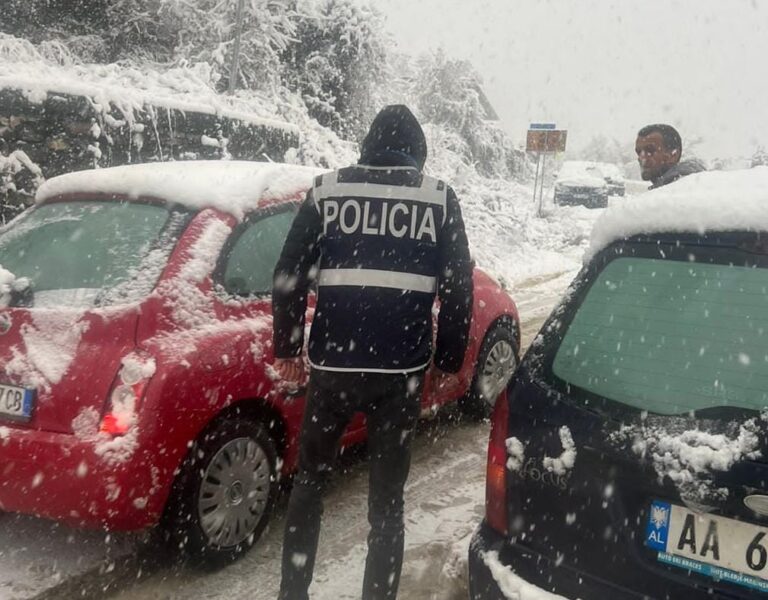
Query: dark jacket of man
[681, 169]
[385, 239]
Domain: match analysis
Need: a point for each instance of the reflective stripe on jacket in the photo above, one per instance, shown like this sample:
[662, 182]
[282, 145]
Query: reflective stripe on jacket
[384, 241]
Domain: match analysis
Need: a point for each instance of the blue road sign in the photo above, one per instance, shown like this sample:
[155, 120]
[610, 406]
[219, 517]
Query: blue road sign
[542, 126]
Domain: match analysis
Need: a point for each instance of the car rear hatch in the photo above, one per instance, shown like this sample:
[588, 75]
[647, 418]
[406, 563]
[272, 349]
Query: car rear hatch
[641, 411]
[74, 274]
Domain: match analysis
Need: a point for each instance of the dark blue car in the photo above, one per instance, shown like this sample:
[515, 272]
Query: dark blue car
[629, 457]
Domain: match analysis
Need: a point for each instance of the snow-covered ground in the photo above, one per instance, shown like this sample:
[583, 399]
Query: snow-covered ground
[444, 504]
[37, 556]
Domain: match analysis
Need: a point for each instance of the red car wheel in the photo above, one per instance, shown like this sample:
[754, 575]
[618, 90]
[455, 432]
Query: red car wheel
[224, 494]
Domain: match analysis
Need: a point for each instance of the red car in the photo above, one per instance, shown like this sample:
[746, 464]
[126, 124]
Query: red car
[135, 351]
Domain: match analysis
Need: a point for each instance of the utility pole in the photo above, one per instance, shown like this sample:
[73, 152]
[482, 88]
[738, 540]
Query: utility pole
[236, 53]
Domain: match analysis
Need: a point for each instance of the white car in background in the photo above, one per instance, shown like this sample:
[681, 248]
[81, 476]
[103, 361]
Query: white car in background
[614, 178]
[587, 183]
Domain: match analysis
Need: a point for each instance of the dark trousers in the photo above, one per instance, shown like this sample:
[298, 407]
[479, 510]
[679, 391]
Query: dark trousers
[391, 404]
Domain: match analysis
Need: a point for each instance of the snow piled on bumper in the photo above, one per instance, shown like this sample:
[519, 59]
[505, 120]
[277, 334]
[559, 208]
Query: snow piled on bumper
[512, 585]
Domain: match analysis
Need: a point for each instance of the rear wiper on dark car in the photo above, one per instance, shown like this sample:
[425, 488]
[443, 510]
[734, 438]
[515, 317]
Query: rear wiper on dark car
[23, 298]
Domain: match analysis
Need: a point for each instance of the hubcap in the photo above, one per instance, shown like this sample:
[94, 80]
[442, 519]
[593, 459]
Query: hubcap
[497, 370]
[234, 492]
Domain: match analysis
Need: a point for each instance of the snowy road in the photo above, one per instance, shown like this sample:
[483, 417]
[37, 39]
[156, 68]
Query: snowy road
[444, 499]
[444, 503]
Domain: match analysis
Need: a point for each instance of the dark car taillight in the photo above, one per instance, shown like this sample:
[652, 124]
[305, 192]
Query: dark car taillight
[495, 479]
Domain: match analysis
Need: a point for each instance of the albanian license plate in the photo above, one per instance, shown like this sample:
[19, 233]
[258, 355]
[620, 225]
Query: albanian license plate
[717, 547]
[16, 402]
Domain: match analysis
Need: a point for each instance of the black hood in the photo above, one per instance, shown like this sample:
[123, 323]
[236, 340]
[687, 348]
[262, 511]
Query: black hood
[394, 139]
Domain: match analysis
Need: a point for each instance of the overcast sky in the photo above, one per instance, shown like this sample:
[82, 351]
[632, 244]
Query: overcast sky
[608, 66]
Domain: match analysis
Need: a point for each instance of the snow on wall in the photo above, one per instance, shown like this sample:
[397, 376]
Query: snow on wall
[14, 163]
[709, 201]
[130, 90]
[138, 92]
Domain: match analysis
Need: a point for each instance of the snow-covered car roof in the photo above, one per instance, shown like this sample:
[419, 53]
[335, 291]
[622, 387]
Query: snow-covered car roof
[699, 203]
[580, 172]
[235, 187]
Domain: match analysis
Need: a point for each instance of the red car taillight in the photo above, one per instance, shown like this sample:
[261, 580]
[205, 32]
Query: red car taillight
[495, 480]
[127, 393]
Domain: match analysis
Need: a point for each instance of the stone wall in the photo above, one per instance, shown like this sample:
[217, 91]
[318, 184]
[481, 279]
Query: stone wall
[42, 136]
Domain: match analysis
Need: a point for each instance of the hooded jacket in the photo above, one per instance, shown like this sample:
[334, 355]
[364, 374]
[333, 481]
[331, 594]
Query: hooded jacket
[681, 169]
[384, 239]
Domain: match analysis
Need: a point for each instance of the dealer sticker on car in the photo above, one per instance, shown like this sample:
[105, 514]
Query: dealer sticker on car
[16, 402]
[717, 547]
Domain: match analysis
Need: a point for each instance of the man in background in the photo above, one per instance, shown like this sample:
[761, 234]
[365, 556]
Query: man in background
[659, 148]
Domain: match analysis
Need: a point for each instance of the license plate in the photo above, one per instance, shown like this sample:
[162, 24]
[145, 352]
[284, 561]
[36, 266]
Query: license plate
[717, 547]
[16, 402]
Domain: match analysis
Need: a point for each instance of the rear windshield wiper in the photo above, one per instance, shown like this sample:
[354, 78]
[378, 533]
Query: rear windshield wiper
[23, 298]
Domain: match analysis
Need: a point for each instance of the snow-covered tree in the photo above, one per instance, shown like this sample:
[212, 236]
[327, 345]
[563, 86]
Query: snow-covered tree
[19, 177]
[760, 157]
[43, 19]
[336, 60]
[448, 94]
[63, 30]
[183, 33]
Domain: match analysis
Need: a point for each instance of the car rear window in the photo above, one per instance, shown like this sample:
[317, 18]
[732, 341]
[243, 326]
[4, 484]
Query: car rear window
[89, 252]
[670, 336]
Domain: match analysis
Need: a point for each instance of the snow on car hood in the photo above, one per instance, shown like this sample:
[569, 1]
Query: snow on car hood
[709, 201]
[234, 187]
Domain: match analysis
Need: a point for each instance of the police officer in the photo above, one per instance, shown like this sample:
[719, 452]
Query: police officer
[382, 239]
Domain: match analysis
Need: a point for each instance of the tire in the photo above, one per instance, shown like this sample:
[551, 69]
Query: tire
[208, 520]
[496, 362]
